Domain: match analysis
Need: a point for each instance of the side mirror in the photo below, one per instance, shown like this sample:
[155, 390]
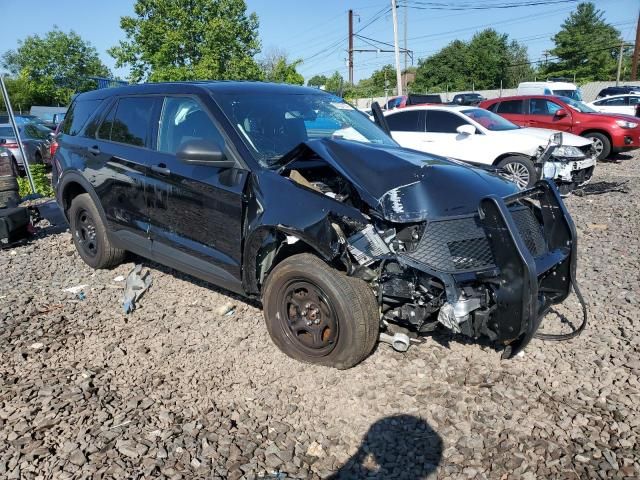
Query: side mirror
[561, 113]
[203, 152]
[466, 129]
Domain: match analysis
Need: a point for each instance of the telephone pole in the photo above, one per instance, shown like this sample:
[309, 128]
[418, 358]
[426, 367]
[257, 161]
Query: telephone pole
[620, 62]
[636, 52]
[351, 47]
[396, 46]
[406, 52]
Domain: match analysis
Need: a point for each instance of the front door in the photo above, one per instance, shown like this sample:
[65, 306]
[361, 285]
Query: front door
[195, 211]
[543, 114]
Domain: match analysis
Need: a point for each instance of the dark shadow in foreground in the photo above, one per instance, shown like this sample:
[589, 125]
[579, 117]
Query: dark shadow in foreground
[401, 446]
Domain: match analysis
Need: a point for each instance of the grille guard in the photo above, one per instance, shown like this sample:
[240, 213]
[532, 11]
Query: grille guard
[528, 286]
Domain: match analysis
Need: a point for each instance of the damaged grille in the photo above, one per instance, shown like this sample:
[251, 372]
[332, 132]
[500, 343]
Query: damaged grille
[461, 245]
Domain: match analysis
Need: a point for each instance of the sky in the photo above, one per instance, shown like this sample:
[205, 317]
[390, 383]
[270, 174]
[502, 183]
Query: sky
[316, 32]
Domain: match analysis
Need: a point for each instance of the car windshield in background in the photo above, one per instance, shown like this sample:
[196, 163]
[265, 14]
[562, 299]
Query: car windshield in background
[579, 106]
[573, 94]
[272, 126]
[6, 131]
[489, 120]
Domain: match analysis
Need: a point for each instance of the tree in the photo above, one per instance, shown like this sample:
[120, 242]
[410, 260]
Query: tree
[586, 46]
[317, 81]
[276, 68]
[189, 40]
[335, 83]
[48, 70]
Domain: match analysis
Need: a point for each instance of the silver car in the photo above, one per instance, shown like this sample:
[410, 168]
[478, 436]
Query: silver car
[35, 138]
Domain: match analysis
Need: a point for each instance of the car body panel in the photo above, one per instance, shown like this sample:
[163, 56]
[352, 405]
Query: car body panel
[628, 104]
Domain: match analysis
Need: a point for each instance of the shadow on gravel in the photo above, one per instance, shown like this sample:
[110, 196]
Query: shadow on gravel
[598, 188]
[400, 446]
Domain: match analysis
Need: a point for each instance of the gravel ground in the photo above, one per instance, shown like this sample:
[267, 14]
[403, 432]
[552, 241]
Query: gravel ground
[178, 389]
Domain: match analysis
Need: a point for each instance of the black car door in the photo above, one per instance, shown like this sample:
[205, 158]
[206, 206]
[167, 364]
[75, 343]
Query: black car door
[118, 158]
[195, 211]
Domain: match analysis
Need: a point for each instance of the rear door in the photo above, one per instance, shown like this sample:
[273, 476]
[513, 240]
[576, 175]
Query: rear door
[195, 211]
[617, 104]
[407, 127]
[542, 114]
[512, 110]
[118, 155]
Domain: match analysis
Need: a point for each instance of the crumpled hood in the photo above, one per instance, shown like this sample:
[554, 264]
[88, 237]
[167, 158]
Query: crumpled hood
[543, 134]
[408, 186]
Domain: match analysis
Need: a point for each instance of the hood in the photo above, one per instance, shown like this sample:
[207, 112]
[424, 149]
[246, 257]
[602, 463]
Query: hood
[543, 134]
[406, 185]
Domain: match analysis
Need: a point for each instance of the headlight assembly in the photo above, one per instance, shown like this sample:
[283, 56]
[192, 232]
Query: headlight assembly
[549, 170]
[626, 124]
[568, 151]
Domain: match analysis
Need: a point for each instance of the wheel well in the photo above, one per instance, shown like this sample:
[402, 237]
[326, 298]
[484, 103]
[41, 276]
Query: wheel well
[71, 191]
[601, 132]
[505, 155]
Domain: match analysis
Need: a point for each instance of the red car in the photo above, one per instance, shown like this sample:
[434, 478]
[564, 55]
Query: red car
[610, 132]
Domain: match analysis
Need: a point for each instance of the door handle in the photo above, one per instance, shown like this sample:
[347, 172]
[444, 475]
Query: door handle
[161, 168]
[93, 150]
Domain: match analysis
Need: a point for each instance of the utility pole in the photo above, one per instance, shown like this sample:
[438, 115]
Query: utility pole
[406, 52]
[396, 46]
[636, 52]
[351, 47]
[619, 62]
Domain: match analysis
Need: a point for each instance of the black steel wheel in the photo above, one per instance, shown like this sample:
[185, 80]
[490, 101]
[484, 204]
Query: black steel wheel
[90, 234]
[317, 314]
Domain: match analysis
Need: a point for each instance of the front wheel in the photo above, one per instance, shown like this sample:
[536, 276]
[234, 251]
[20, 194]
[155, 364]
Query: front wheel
[601, 144]
[318, 315]
[519, 170]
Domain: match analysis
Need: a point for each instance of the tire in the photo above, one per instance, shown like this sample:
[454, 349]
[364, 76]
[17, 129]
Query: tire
[8, 183]
[20, 172]
[90, 234]
[519, 170]
[601, 142]
[344, 315]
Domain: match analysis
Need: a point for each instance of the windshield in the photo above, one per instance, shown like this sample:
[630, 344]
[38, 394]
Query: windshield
[272, 125]
[573, 94]
[579, 106]
[489, 120]
[6, 131]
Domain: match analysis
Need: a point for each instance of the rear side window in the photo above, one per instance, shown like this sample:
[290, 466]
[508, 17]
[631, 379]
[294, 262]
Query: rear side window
[408, 121]
[443, 122]
[78, 114]
[513, 107]
[129, 121]
[612, 102]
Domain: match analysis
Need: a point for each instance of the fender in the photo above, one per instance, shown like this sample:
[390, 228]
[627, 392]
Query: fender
[72, 176]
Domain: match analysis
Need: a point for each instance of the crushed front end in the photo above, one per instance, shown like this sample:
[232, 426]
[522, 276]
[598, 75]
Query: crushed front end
[493, 273]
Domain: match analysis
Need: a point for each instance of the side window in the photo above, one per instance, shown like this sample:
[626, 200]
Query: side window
[634, 100]
[104, 132]
[510, 107]
[407, 121]
[439, 121]
[132, 121]
[613, 102]
[493, 107]
[183, 119]
[78, 114]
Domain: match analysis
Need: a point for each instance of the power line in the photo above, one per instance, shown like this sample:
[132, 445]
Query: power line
[475, 6]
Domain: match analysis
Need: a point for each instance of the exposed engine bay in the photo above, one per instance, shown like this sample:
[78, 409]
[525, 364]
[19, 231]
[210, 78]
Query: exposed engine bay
[447, 270]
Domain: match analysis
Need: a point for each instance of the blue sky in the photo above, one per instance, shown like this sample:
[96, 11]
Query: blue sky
[317, 31]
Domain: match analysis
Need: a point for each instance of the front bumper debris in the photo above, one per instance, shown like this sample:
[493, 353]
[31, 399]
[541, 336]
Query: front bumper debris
[569, 171]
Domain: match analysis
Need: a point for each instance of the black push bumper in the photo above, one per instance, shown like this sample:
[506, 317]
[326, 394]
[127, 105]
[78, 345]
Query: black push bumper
[528, 285]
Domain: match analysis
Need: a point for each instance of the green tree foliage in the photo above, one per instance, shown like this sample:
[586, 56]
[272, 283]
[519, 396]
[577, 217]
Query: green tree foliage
[48, 70]
[586, 46]
[482, 63]
[276, 68]
[317, 81]
[189, 40]
[335, 83]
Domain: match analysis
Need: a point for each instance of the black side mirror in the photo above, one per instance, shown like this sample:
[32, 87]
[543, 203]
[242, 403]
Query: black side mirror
[203, 152]
[379, 119]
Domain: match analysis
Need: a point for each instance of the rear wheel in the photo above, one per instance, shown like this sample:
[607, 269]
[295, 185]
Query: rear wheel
[601, 143]
[318, 315]
[90, 234]
[519, 170]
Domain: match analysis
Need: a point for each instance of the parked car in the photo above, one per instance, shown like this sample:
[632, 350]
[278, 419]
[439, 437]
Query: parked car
[479, 136]
[610, 133]
[24, 119]
[623, 104]
[36, 140]
[621, 90]
[411, 99]
[228, 182]
[52, 116]
[563, 89]
[467, 99]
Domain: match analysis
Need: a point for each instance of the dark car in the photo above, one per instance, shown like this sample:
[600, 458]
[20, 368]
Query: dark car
[610, 132]
[467, 99]
[291, 196]
[621, 90]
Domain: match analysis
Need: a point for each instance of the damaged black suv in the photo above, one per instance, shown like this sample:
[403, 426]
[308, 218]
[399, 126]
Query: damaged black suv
[291, 196]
